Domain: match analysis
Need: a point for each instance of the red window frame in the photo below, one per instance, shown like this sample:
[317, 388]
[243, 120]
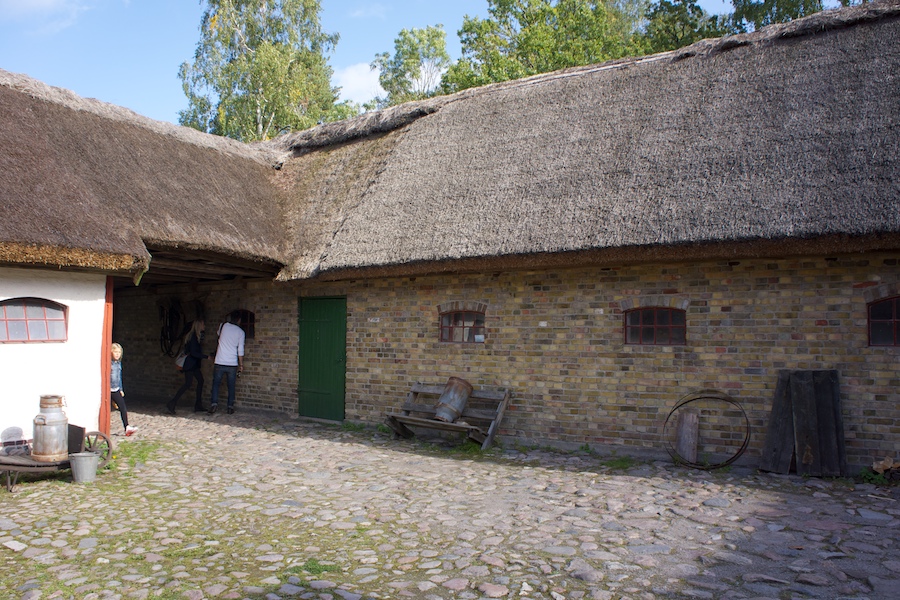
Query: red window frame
[33, 320]
[462, 327]
[655, 326]
[884, 322]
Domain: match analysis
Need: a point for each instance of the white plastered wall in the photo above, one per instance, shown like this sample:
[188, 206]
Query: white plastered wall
[71, 369]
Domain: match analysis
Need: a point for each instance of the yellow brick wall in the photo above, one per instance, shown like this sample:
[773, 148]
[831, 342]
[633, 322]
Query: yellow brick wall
[556, 339]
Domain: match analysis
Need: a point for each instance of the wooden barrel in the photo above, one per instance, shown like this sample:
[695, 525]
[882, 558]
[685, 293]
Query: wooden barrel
[453, 400]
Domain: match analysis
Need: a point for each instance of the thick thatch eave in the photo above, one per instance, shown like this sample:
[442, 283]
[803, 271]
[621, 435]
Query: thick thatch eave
[775, 139]
[93, 181]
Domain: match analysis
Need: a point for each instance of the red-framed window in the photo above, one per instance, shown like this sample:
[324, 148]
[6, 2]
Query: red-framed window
[462, 326]
[32, 320]
[656, 326]
[884, 322]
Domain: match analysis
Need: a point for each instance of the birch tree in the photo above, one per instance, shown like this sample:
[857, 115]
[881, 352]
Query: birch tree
[260, 68]
[414, 71]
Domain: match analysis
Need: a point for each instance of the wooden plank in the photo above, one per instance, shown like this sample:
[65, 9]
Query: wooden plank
[422, 388]
[433, 424]
[827, 421]
[477, 436]
[400, 430]
[76, 438]
[779, 446]
[437, 390]
[839, 423]
[687, 434]
[471, 413]
[495, 423]
[806, 428]
[22, 462]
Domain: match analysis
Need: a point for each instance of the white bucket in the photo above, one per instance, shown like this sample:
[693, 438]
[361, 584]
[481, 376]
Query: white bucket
[84, 466]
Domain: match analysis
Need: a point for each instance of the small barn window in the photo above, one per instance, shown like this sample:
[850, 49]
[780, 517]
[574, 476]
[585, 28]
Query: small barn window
[655, 326]
[32, 320]
[247, 320]
[884, 322]
[463, 326]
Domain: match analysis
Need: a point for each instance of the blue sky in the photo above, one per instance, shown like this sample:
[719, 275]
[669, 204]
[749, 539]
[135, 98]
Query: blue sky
[127, 52]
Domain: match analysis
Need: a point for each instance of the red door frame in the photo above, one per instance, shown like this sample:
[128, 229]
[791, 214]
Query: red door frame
[105, 357]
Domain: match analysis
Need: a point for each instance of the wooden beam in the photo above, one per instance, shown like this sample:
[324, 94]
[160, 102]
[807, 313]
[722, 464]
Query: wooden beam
[190, 266]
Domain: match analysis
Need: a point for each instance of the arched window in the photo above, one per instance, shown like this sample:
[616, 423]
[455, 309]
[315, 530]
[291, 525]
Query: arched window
[655, 326]
[32, 320]
[464, 326]
[884, 322]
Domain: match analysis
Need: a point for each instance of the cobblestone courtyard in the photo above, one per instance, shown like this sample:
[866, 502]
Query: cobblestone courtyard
[254, 506]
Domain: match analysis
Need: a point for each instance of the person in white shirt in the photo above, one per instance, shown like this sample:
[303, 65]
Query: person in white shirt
[229, 361]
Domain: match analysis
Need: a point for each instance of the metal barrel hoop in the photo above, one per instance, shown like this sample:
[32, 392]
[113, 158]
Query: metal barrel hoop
[703, 395]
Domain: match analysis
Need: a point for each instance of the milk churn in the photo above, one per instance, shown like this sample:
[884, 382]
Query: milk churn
[51, 431]
[453, 400]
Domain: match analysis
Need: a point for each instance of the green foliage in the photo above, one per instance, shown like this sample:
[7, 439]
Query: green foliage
[527, 37]
[586, 448]
[867, 475]
[678, 23]
[414, 71]
[750, 15]
[134, 453]
[260, 69]
[314, 567]
[619, 462]
[350, 426]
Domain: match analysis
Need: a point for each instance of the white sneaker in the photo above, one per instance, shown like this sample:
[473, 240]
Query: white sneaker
[130, 430]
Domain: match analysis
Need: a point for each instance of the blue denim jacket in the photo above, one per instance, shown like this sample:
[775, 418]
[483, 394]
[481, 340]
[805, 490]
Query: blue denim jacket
[115, 376]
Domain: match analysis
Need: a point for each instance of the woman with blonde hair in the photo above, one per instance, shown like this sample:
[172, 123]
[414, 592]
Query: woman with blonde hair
[191, 368]
[116, 390]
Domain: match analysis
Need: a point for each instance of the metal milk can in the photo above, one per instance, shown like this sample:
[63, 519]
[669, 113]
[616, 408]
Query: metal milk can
[51, 431]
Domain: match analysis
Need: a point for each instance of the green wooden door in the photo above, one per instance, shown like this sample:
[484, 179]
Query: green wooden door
[323, 352]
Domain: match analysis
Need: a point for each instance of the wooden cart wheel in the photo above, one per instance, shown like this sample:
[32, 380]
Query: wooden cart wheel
[98, 443]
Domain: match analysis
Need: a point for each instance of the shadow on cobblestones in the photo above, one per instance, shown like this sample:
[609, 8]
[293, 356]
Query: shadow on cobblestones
[253, 505]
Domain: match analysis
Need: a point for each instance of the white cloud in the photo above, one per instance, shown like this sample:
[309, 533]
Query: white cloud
[358, 83]
[370, 11]
[43, 16]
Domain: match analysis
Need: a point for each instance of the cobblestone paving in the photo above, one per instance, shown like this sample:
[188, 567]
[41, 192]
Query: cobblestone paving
[249, 506]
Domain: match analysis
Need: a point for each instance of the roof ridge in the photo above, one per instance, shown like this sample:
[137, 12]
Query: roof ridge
[395, 117]
[68, 99]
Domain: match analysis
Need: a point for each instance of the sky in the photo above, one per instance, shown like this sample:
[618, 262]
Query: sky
[128, 52]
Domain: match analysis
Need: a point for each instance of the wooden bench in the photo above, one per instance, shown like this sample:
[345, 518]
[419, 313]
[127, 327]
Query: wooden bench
[417, 401]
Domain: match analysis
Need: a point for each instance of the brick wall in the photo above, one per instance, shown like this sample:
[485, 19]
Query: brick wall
[269, 379]
[556, 339]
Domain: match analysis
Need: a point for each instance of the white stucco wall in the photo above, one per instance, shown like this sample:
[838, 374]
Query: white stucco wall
[72, 368]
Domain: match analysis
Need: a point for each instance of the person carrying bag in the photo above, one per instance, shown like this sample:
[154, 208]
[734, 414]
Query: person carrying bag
[191, 366]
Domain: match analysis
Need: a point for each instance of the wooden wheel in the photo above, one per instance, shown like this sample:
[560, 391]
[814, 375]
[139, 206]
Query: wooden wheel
[98, 443]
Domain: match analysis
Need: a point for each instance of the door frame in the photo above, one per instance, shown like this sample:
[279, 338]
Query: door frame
[343, 359]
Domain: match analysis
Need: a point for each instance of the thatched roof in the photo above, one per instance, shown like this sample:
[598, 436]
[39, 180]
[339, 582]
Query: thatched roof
[781, 142]
[776, 143]
[86, 184]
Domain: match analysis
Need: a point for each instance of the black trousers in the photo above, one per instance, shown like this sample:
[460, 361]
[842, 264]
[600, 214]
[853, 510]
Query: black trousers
[119, 399]
[189, 377]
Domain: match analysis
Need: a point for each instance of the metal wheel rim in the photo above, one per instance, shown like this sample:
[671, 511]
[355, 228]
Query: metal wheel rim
[706, 395]
[98, 443]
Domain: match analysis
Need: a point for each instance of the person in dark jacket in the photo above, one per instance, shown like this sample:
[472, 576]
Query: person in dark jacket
[191, 369]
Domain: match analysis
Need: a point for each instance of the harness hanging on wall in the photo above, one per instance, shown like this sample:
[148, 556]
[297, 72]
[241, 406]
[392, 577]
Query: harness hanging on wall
[171, 325]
